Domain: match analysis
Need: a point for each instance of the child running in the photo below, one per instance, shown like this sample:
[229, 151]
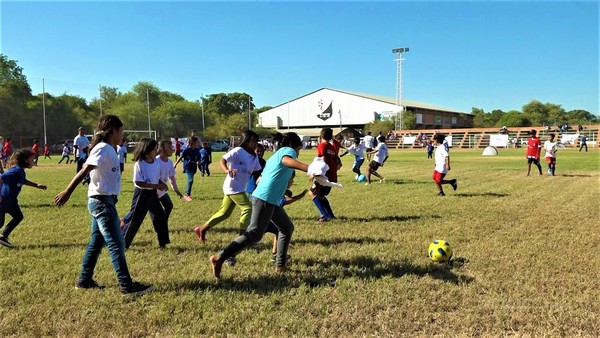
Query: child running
[442, 165]
[11, 183]
[253, 180]
[550, 150]
[36, 151]
[239, 163]
[190, 158]
[381, 155]
[65, 153]
[318, 192]
[265, 206]
[205, 159]
[105, 185]
[47, 152]
[146, 178]
[358, 150]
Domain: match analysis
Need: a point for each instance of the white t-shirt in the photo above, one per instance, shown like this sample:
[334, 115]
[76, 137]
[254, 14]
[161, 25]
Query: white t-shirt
[166, 171]
[245, 163]
[122, 151]
[80, 142]
[105, 179]
[369, 141]
[550, 148]
[440, 159]
[357, 150]
[146, 172]
[381, 154]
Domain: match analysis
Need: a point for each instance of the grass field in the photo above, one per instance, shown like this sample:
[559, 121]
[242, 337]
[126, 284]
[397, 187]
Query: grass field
[525, 248]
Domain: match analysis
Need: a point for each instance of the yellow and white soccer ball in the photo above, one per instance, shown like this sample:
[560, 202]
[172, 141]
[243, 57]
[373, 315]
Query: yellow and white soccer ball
[440, 251]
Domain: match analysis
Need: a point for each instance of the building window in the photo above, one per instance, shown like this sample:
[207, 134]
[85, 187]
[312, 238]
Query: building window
[454, 120]
[419, 118]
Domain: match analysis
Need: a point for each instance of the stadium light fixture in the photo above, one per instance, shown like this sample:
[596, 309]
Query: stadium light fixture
[399, 59]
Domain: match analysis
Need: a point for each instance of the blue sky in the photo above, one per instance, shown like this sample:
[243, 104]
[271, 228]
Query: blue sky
[489, 55]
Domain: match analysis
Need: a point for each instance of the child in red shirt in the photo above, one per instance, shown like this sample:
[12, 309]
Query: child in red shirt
[318, 192]
[534, 148]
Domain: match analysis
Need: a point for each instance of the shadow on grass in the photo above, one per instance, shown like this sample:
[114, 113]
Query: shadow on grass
[482, 194]
[574, 175]
[402, 182]
[51, 205]
[52, 246]
[326, 273]
[390, 218]
[339, 240]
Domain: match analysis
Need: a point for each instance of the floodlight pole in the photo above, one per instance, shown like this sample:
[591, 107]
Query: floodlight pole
[100, 90]
[148, 105]
[399, 59]
[44, 109]
[202, 104]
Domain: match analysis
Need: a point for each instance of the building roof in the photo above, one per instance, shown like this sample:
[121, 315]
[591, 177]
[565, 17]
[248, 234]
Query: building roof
[406, 103]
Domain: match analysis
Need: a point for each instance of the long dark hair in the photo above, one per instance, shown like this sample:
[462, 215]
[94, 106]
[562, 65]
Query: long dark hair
[248, 136]
[106, 126]
[290, 139]
[143, 148]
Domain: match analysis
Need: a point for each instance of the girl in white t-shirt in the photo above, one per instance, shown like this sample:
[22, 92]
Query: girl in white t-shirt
[103, 167]
[146, 178]
[238, 163]
[381, 155]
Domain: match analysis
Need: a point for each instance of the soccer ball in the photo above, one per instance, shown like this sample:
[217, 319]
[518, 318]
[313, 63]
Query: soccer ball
[440, 251]
[361, 178]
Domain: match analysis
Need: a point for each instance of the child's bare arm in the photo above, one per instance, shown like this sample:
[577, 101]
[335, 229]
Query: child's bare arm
[290, 200]
[174, 186]
[294, 164]
[64, 195]
[35, 185]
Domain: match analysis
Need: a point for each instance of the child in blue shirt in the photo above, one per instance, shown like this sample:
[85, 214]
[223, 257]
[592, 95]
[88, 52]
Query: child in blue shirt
[205, 159]
[11, 183]
[266, 204]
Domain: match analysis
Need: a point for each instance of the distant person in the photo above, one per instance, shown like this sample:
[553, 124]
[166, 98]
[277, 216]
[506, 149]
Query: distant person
[429, 149]
[79, 142]
[36, 151]
[442, 165]
[381, 155]
[369, 142]
[11, 183]
[1, 155]
[177, 148]
[583, 143]
[122, 153]
[358, 150]
[534, 147]
[105, 185]
[550, 150]
[190, 157]
[205, 159]
[65, 153]
[47, 152]
[6, 151]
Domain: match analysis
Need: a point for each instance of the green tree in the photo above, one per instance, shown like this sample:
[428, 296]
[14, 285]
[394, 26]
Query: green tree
[409, 120]
[514, 119]
[14, 94]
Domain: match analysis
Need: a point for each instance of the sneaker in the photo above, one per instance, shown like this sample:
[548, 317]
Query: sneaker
[230, 261]
[89, 284]
[4, 241]
[323, 219]
[187, 198]
[382, 180]
[136, 289]
[441, 194]
[454, 185]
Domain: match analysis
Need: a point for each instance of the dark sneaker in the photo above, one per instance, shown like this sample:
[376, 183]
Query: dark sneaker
[4, 241]
[455, 185]
[441, 194]
[89, 284]
[136, 289]
[230, 261]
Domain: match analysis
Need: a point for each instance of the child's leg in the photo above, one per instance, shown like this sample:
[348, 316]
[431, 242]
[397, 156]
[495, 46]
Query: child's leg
[140, 209]
[377, 174]
[159, 220]
[528, 167]
[207, 170]
[274, 250]
[286, 229]
[327, 207]
[242, 201]
[167, 204]
[369, 174]
[539, 166]
[190, 183]
[105, 230]
[222, 214]
[17, 217]
[262, 212]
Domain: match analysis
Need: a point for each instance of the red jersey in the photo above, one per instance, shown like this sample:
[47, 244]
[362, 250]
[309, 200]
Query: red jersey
[534, 147]
[36, 149]
[7, 151]
[327, 151]
[46, 150]
[177, 145]
[336, 145]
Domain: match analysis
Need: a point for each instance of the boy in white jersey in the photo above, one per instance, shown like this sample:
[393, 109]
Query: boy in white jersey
[550, 149]
[381, 155]
[442, 165]
[358, 150]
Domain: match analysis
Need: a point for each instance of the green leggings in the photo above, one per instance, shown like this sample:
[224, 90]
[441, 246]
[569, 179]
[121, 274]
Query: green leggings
[229, 203]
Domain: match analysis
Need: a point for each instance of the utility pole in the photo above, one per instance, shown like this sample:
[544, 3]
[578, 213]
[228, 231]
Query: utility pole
[399, 59]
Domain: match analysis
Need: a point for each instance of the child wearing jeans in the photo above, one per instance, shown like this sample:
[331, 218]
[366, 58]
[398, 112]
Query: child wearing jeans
[239, 164]
[266, 204]
[190, 158]
[11, 183]
[146, 178]
[105, 184]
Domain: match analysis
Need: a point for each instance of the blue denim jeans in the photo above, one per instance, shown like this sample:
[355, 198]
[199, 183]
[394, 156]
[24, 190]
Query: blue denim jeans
[106, 230]
[190, 183]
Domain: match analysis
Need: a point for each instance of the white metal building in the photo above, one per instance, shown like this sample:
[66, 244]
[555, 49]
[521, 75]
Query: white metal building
[336, 108]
